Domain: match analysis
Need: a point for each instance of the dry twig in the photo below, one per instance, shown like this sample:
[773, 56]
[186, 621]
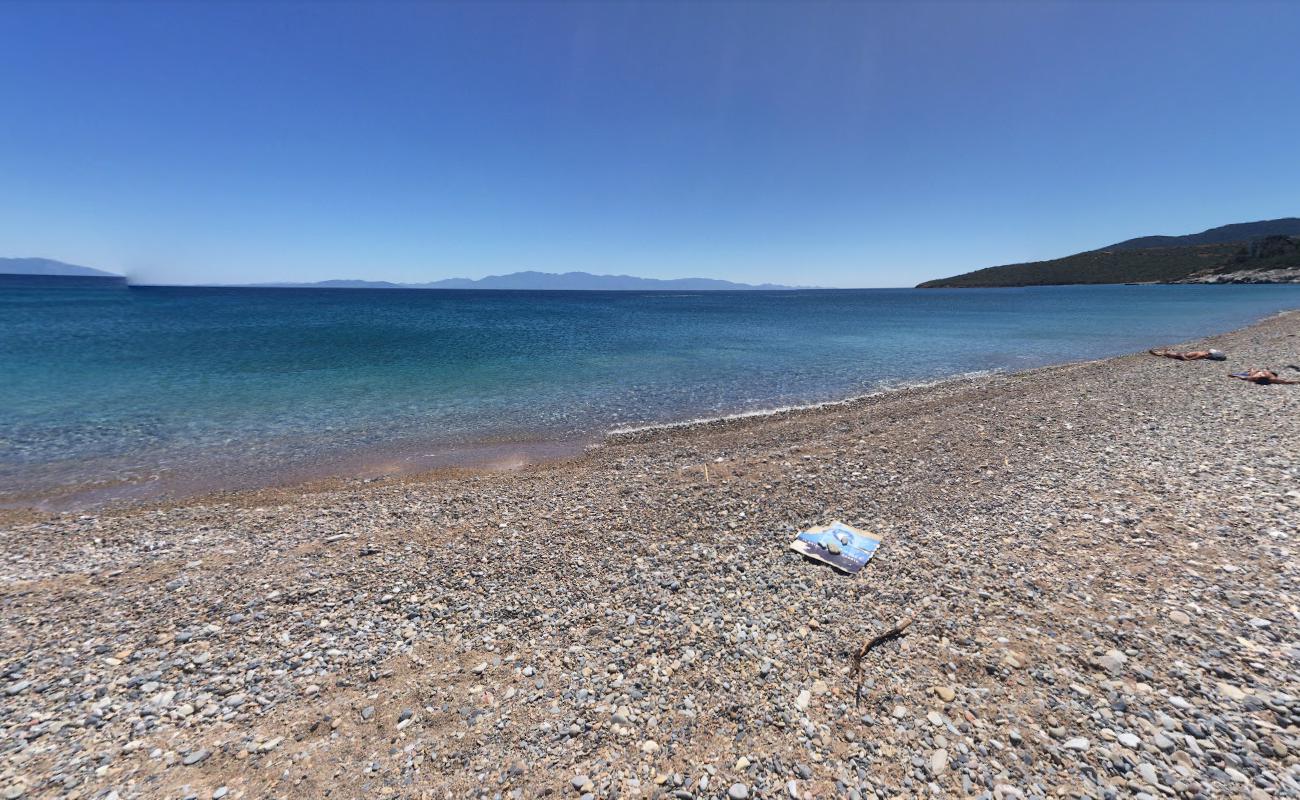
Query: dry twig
[889, 635]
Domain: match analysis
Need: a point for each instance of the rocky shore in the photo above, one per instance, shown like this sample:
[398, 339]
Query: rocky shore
[1100, 559]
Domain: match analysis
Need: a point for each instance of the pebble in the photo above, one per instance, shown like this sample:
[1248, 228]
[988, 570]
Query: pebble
[939, 761]
[1148, 773]
[1113, 662]
[738, 791]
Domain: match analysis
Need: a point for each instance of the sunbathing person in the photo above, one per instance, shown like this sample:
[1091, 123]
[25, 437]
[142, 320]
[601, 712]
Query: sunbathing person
[1191, 355]
[1261, 376]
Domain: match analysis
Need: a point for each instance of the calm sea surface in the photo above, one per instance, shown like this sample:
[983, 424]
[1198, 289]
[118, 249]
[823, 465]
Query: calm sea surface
[141, 386]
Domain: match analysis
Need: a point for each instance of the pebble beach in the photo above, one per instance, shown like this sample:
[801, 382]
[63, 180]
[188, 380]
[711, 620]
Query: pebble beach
[1099, 560]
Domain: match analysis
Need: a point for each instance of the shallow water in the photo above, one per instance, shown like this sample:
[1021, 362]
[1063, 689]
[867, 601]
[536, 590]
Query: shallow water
[228, 387]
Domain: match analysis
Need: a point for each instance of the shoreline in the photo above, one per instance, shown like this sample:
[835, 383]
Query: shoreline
[173, 468]
[1098, 556]
[424, 459]
[394, 464]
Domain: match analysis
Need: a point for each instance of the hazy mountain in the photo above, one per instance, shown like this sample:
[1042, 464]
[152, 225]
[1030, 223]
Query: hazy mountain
[49, 267]
[1151, 259]
[571, 281]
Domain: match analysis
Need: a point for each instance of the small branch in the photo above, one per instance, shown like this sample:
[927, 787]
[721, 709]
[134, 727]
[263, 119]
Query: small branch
[887, 636]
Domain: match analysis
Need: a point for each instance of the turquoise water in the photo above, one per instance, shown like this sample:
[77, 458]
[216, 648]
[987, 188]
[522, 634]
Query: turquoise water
[137, 384]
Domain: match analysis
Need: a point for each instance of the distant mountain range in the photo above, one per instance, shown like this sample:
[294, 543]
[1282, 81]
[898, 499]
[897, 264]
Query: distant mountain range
[569, 281]
[1247, 252]
[50, 267]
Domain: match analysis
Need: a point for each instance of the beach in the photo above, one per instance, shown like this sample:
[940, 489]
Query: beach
[1099, 559]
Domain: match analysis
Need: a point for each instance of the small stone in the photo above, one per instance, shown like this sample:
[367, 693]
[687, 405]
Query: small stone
[1113, 662]
[939, 761]
[649, 747]
[1231, 692]
[945, 693]
[1129, 740]
[196, 757]
[580, 781]
[802, 701]
[738, 791]
[220, 792]
[1078, 744]
[368, 713]
[1148, 773]
[742, 764]
[1179, 617]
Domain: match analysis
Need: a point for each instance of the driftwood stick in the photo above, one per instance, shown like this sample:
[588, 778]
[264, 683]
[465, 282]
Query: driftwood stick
[889, 635]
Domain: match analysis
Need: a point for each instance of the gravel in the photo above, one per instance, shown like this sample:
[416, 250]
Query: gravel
[1099, 558]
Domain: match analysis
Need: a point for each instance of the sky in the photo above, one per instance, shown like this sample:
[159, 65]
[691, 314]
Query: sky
[854, 144]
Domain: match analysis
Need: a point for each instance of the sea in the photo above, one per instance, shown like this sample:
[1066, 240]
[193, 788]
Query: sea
[134, 392]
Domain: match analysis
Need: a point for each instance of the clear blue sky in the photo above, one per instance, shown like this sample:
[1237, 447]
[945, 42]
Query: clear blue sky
[831, 144]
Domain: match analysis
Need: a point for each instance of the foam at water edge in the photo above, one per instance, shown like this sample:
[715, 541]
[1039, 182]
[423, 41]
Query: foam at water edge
[885, 388]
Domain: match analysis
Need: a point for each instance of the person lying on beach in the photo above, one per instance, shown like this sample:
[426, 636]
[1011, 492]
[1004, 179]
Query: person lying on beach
[1191, 355]
[1261, 376]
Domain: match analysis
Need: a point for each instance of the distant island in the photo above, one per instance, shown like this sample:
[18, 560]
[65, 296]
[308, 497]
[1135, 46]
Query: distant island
[50, 268]
[567, 281]
[1248, 252]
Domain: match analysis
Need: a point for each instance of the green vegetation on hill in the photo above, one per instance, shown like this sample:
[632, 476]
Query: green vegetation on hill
[1224, 234]
[1157, 264]
[1124, 263]
[1271, 252]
